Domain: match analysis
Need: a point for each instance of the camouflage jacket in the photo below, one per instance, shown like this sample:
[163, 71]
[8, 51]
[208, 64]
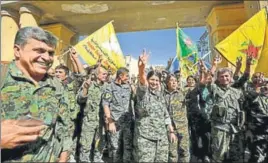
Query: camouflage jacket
[92, 100]
[19, 98]
[93, 114]
[69, 115]
[118, 98]
[227, 113]
[177, 109]
[152, 115]
[256, 106]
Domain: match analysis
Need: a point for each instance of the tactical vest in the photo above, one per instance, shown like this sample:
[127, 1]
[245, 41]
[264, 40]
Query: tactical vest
[226, 109]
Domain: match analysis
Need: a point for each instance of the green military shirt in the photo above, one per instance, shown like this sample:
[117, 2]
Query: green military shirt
[92, 110]
[177, 109]
[256, 106]
[69, 115]
[20, 98]
[226, 112]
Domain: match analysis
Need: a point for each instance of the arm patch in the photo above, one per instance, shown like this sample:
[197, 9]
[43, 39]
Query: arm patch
[107, 96]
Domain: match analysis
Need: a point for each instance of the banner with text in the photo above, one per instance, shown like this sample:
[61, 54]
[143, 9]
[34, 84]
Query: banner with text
[102, 44]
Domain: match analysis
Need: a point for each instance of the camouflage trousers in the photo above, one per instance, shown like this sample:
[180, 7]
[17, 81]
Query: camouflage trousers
[146, 150]
[179, 151]
[259, 148]
[226, 146]
[92, 143]
[121, 143]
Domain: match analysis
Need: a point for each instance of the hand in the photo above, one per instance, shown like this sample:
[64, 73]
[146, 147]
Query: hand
[249, 60]
[87, 83]
[169, 62]
[239, 62]
[73, 53]
[172, 137]
[217, 60]
[143, 59]
[202, 66]
[206, 77]
[112, 128]
[13, 135]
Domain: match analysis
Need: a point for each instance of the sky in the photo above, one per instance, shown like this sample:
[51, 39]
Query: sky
[161, 43]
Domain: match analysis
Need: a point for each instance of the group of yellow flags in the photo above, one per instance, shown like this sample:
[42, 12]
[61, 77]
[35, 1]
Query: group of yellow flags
[251, 38]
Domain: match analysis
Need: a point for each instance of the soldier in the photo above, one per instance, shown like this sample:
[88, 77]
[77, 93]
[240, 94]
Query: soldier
[28, 93]
[257, 80]
[152, 118]
[70, 115]
[92, 123]
[193, 113]
[256, 105]
[179, 150]
[116, 102]
[227, 118]
[164, 77]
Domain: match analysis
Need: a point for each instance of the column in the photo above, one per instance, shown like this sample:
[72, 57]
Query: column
[9, 28]
[221, 22]
[29, 16]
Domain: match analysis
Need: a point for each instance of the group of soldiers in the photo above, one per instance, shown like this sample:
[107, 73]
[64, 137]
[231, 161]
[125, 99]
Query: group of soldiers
[90, 115]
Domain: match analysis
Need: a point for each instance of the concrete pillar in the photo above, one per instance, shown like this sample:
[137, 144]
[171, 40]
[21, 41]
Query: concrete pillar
[9, 28]
[221, 22]
[66, 38]
[29, 16]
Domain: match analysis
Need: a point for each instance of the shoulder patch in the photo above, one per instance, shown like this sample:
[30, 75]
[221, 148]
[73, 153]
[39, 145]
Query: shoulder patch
[107, 96]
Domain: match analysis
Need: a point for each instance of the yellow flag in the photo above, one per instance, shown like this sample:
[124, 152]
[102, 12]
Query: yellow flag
[262, 64]
[248, 39]
[187, 68]
[102, 43]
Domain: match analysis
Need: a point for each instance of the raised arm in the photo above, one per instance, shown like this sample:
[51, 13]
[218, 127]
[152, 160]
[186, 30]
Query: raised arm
[143, 58]
[238, 68]
[217, 60]
[76, 62]
[169, 63]
[239, 83]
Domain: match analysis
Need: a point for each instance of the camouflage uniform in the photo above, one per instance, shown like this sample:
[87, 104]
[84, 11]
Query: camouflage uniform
[92, 124]
[178, 151]
[20, 97]
[118, 98]
[257, 120]
[70, 116]
[226, 122]
[150, 134]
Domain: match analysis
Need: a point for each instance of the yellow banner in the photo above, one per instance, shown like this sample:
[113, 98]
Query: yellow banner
[248, 39]
[102, 43]
[187, 68]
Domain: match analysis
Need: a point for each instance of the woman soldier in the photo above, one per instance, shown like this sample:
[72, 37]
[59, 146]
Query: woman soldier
[152, 121]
